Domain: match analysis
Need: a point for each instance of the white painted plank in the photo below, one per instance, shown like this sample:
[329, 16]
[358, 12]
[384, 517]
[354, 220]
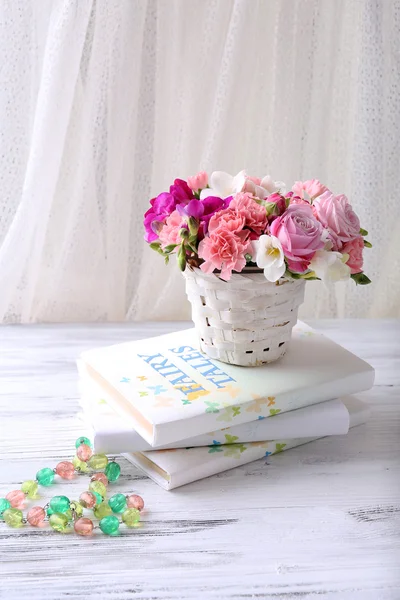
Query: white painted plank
[320, 521]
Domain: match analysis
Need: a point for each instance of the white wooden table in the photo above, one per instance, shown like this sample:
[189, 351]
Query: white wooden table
[319, 521]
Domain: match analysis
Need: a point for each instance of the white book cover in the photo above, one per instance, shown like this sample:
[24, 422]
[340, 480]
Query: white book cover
[113, 435]
[174, 468]
[169, 391]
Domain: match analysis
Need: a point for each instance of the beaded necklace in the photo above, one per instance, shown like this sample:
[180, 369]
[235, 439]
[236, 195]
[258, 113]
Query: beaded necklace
[62, 513]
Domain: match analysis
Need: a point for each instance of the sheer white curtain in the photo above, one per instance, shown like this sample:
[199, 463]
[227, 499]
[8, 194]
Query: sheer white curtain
[104, 102]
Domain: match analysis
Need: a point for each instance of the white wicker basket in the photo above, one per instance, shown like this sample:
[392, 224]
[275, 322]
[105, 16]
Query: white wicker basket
[245, 321]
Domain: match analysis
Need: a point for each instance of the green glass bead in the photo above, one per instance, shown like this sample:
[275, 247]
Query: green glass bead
[59, 522]
[45, 476]
[4, 505]
[98, 487]
[99, 499]
[13, 517]
[98, 462]
[112, 471]
[80, 465]
[83, 440]
[78, 508]
[117, 503]
[102, 510]
[59, 504]
[109, 525]
[49, 511]
[30, 488]
[131, 516]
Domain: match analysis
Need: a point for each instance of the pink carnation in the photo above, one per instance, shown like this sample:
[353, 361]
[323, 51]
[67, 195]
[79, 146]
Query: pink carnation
[311, 187]
[224, 248]
[336, 214]
[198, 182]
[227, 219]
[300, 235]
[354, 249]
[254, 214]
[169, 233]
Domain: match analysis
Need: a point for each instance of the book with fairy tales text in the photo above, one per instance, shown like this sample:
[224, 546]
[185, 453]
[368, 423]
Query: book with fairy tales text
[169, 391]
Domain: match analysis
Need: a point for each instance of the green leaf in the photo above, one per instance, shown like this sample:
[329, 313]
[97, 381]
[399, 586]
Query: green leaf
[363, 232]
[166, 260]
[361, 279]
[155, 246]
[181, 257]
[367, 244]
[170, 248]
[292, 275]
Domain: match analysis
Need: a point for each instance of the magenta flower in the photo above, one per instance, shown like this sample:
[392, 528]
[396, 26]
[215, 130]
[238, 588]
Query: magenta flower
[163, 205]
[203, 210]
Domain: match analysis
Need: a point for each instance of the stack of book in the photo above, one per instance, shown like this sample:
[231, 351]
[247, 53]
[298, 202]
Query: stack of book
[181, 416]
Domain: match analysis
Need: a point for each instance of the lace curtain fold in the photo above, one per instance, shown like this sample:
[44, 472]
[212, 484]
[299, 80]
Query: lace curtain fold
[104, 102]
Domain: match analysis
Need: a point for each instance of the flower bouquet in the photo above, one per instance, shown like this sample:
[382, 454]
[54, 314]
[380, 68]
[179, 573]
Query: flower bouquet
[246, 247]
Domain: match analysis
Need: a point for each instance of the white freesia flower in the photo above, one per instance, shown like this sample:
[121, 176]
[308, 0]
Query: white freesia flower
[269, 256]
[271, 186]
[224, 185]
[330, 266]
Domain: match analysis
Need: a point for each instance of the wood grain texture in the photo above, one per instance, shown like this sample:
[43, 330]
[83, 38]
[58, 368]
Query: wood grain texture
[320, 521]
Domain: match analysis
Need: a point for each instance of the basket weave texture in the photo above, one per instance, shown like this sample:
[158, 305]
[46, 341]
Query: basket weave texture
[245, 321]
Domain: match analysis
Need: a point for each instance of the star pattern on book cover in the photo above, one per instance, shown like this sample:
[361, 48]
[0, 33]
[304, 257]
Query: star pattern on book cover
[259, 401]
[229, 413]
[163, 402]
[235, 450]
[212, 407]
[141, 377]
[279, 448]
[231, 390]
[214, 448]
[260, 444]
[274, 411]
[125, 380]
[230, 439]
[157, 389]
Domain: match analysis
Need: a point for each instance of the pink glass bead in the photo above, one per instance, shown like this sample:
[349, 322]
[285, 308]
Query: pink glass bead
[16, 498]
[65, 469]
[36, 516]
[134, 501]
[87, 499]
[99, 477]
[83, 526]
[84, 452]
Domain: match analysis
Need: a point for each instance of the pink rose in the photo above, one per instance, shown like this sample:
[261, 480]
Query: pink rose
[198, 182]
[311, 187]
[300, 235]
[169, 233]
[254, 214]
[354, 249]
[335, 213]
[224, 249]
